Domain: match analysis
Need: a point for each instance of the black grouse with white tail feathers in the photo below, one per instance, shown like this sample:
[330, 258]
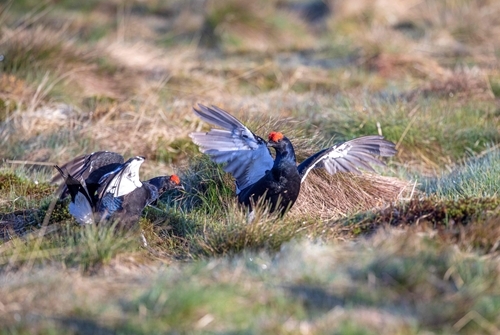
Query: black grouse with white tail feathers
[246, 156]
[106, 191]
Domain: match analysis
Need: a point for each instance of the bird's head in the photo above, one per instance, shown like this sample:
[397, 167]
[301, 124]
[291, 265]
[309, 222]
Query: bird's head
[165, 183]
[282, 145]
[175, 182]
[275, 139]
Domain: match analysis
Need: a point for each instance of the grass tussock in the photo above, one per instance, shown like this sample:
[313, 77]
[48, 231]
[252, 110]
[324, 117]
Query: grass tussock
[236, 232]
[79, 77]
[324, 196]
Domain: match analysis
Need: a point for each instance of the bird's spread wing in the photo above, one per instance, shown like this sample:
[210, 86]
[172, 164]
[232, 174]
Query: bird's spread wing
[122, 180]
[81, 204]
[74, 168]
[349, 156]
[82, 166]
[244, 154]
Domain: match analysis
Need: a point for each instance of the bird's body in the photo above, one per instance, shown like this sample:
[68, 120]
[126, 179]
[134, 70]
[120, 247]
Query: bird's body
[246, 156]
[116, 192]
[126, 208]
[280, 185]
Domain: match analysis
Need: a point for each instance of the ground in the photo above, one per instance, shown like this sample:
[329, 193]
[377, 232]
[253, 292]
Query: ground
[411, 249]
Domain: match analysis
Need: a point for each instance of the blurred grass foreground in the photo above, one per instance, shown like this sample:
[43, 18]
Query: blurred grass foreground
[413, 249]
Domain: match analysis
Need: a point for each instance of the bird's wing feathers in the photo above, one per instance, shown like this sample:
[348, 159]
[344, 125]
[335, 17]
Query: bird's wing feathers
[81, 209]
[122, 180]
[82, 166]
[81, 203]
[349, 156]
[244, 154]
[73, 167]
[107, 205]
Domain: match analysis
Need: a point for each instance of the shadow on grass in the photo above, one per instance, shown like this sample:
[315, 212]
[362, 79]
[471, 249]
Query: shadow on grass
[314, 298]
[75, 325]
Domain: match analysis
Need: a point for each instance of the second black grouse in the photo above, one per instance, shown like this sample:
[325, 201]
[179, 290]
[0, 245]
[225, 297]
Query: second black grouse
[246, 156]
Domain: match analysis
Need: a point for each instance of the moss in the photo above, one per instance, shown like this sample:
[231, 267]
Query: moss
[60, 212]
[9, 182]
[440, 214]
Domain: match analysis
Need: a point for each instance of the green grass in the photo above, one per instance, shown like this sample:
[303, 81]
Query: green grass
[477, 177]
[438, 129]
[301, 286]
[85, 248]
[357, 254]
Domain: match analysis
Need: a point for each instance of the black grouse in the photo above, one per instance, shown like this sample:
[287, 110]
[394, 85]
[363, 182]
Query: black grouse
[117, 194]
[246, 156]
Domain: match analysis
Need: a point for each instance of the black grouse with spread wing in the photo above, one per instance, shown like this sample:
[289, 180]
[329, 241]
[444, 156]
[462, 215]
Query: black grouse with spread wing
[246, 156]
[105, 190]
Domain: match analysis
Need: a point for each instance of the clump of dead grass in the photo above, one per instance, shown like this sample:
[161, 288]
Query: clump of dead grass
[325, 196]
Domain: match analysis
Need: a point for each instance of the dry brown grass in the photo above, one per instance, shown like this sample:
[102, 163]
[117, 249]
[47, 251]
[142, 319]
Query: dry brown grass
[14, 90]
[153, 88]
[328, 197]
[259, 26]
[400, 65]
[461, 83]
[482, 235]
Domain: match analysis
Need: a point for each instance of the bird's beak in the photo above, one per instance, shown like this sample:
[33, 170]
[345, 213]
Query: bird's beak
[180, 187]
[271, 144]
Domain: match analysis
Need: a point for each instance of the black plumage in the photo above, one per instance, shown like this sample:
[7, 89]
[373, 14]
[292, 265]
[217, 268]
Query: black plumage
[280, 184]
[90, 168]
[246, 156]
[111, 192]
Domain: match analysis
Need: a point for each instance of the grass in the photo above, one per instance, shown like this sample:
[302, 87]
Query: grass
[412, 249]
[478, 177]
[426, 285]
